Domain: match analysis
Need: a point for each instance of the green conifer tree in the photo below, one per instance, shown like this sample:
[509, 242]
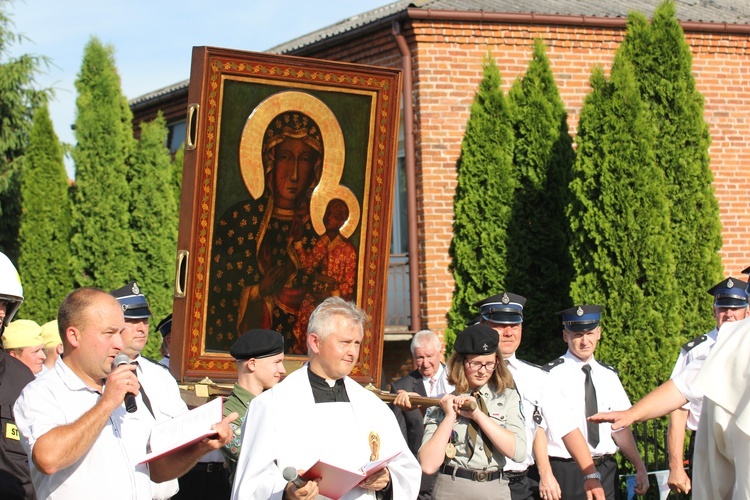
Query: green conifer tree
[620, 243]
[102, 245]
[18, 100]
[539, 266]
[482, 202]
[153, 223]
[663, 68]
[44, 233]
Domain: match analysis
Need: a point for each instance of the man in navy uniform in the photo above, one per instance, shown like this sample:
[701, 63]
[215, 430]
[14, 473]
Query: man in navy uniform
[730, 304]
[590, 386]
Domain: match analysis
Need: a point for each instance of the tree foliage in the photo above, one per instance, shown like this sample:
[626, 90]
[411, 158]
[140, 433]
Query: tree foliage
[620, 242]
[102, 241]
[538, 263]
[19, 98]
[482, 202]
[153, 223]
[44, 234]
[663, 68]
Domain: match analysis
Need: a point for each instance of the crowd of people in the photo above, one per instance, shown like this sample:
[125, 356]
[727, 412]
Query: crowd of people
[79, 402]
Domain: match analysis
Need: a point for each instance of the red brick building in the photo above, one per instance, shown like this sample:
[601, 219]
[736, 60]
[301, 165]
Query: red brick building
[440, 45]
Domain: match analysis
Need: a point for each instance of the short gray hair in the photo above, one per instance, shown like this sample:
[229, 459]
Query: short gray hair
[423, 338]
[321, 318]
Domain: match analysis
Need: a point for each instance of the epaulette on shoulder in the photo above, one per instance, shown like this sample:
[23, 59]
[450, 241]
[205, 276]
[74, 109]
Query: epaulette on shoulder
[548, 366]
[530, 364]
[608, 367]
[687, 346]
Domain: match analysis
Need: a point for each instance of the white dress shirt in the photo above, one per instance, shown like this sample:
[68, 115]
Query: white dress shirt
[683, 376]
[567, 379]
[108, 469]
[530, 382]
[441, 387]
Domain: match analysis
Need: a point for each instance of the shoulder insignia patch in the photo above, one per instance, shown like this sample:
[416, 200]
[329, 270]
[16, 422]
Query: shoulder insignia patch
[548, 366]
[530, 363]
[608, 367]
[694, 342]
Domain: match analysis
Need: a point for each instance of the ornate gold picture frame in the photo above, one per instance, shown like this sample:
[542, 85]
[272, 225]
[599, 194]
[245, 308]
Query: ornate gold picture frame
[286, 200]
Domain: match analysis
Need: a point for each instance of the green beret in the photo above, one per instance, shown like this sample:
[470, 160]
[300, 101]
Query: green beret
[257, 344]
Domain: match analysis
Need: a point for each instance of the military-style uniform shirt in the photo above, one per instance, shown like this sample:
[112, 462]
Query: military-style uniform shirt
[530, 381]
[695, 351]
[15, 479]
[237, 401]
[503, 408]
[567, 378]
[160, 389]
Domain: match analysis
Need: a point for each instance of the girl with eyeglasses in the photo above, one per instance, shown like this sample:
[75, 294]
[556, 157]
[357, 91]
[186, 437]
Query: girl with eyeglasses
[468, 447]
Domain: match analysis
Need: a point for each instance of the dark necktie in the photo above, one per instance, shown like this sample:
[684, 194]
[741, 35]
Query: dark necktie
[474, 429]
[591, 407]
[144, 396]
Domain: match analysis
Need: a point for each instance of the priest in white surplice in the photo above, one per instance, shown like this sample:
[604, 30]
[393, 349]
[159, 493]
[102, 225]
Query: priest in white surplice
[318, 412]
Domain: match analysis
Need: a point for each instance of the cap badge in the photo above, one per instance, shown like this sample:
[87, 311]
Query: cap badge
[505, 298]
[730, 283]
[579, 311]
[135, 289]
[485, 346]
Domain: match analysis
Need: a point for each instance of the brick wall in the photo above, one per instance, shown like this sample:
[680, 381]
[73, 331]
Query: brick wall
[447, 63]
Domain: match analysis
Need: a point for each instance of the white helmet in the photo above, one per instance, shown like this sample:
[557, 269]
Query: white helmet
[10, 287]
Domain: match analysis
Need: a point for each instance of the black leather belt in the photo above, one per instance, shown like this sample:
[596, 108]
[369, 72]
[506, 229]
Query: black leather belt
[514, 476]
[597, 460]
[600, 460]
[209, 467]
[474, 475]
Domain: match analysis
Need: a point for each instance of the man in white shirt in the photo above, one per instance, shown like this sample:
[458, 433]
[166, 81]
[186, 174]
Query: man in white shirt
[533, 476]
[730, 304]
[161, 397]
[429, 379]
[318, 412]
[80, 439]
[590, 386]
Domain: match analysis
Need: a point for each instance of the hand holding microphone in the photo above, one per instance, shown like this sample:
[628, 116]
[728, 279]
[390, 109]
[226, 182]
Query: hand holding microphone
[130, 405]
[297, 488]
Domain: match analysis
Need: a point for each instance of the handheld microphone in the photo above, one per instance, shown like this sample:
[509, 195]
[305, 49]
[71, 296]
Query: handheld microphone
[130, 406]
[290, 474]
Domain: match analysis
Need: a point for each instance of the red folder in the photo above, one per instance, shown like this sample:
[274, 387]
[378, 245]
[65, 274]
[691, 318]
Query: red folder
[336, 482]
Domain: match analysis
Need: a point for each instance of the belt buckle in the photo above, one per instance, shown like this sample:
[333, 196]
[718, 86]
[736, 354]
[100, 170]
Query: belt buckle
[480, 476]
[213, 467]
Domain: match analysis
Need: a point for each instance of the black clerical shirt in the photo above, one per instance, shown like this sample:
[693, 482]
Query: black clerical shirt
[324, 393]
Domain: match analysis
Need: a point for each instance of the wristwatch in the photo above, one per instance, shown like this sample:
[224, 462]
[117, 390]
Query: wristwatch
[595, 475]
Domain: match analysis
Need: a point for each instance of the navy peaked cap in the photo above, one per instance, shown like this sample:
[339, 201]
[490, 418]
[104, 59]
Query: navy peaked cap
[505, 308]
[730, 293]
[581, 318]
[133, 302]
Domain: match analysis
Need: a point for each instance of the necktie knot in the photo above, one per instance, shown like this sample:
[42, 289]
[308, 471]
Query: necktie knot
[433, 381]
[587, 369]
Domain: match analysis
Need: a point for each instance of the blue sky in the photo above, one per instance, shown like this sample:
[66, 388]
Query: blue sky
[153, 39]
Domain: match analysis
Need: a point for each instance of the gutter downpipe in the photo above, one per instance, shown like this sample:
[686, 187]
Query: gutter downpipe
[411, 177]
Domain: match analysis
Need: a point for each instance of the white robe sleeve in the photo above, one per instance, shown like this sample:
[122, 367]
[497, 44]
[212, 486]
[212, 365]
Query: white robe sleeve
[257, 475]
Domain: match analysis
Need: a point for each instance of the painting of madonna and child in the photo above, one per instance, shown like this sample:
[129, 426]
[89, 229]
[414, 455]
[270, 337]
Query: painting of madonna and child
[287, 200]
[270, 265]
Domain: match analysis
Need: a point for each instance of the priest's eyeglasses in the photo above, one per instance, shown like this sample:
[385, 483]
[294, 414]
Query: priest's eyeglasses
[476, 365]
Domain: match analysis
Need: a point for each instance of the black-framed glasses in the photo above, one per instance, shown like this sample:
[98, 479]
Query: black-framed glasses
[476, 365]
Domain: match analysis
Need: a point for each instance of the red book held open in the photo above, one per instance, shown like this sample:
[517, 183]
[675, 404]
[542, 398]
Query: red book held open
[336, 482]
